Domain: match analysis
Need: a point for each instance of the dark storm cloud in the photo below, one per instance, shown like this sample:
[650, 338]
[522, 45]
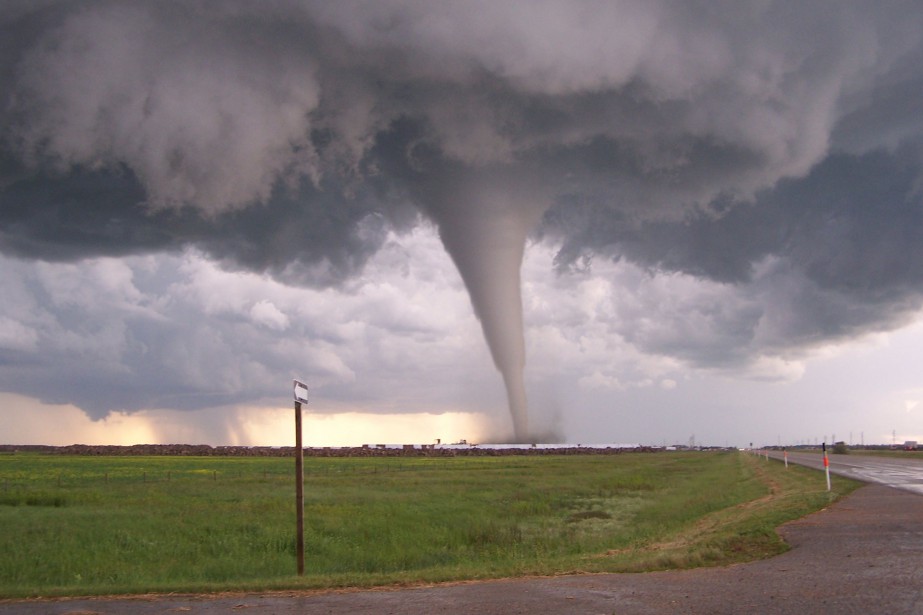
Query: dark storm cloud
[317, 238]
[852, 224]
[822, 259]
[642, 109]
[770, 146]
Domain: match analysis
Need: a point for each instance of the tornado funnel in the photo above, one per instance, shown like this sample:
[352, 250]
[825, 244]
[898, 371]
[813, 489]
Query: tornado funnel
[485, 232]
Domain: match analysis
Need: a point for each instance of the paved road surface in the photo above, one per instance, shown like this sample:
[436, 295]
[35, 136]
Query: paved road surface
[900, 473]
[862, 555]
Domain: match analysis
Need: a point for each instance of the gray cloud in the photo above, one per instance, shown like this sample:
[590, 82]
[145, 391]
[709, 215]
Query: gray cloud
[177, 331]
[769, 146]
[843, 242]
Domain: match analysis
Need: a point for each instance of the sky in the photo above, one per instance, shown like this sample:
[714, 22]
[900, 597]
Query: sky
[640, 222]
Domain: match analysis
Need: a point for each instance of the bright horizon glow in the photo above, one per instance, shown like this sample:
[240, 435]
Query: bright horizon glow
[27, 421]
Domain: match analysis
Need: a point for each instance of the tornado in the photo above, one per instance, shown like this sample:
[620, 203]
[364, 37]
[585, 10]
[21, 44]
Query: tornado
[484, 229]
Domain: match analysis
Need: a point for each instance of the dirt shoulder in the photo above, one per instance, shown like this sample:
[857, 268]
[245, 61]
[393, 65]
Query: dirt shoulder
[864, 554]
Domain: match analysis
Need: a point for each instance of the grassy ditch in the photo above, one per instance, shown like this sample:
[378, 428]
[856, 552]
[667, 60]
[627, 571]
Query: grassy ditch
[99, 525]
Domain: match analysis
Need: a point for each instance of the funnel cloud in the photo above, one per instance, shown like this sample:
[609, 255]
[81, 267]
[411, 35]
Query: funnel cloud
[724, 187]
[484, 223]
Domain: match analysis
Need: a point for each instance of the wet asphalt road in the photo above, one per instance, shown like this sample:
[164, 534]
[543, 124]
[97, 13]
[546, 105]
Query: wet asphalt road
[861, 555]
[897, 472]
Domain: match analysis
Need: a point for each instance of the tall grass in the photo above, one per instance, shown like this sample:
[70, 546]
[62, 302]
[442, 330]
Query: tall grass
[87, 525]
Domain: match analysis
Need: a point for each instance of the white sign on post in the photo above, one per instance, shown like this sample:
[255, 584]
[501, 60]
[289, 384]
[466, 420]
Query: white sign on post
[301, 392]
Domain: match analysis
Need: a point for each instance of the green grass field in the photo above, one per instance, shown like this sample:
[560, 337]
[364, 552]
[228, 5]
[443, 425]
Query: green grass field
[102, 525]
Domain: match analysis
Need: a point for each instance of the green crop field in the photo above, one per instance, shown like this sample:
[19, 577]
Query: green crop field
[102, 525]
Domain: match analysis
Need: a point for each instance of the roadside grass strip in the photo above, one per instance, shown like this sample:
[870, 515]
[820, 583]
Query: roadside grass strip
[117, 525]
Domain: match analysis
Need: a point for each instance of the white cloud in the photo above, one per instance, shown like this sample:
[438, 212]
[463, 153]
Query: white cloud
[267, 314]
[197, 113]
[597, 380]
[17, 336]
[181, 331]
